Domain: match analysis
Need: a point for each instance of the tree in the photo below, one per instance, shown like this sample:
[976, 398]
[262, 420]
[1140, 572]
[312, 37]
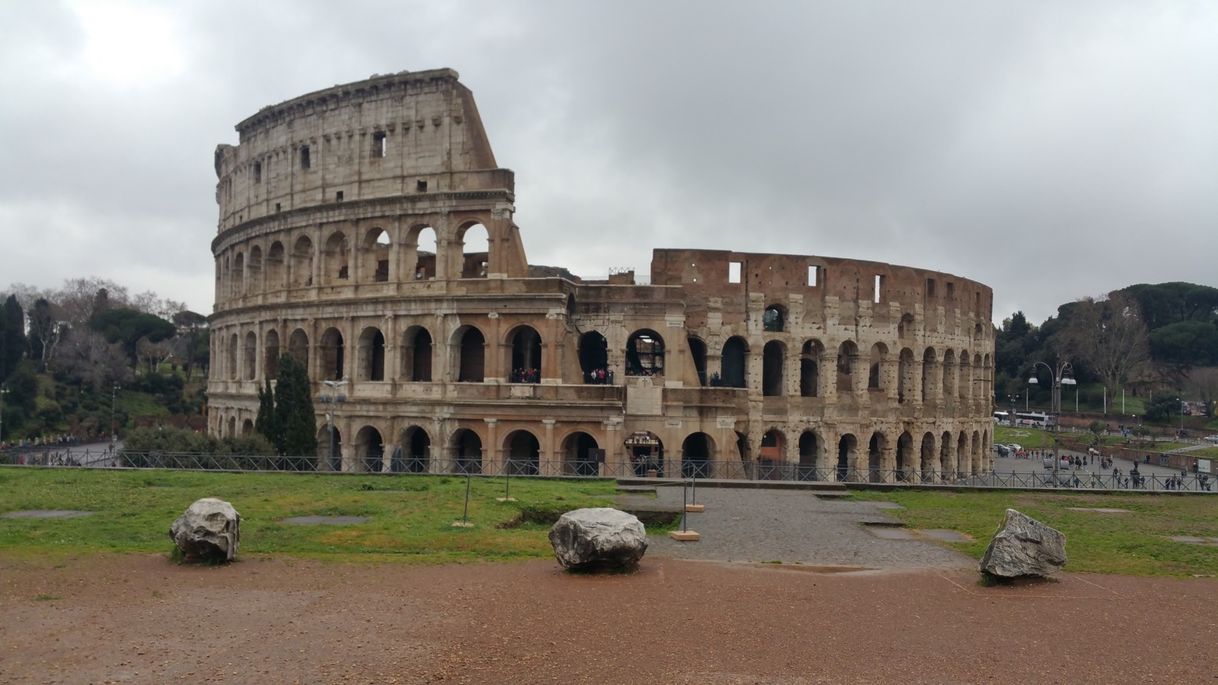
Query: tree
[1108, 336]
[267, 422]
[12, 336]
[192, 329]
[153, 354]
[45, 332]
[127, 326]
[294, 413]
[87, 359]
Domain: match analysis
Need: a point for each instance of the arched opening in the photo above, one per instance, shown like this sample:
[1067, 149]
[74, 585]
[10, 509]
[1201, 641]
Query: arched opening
[907, 468]
[369, 450]
[523, 453]
[371, 355]
[646, 453]
[928, 373]
[905, 377]
[298, 347]
[697, 352]
[979, 374]
[975, 455]
[947, 461]
[250, 356]
[335, 257]
[809, 368]
[475, 251]
[809, 456]
[302, 262]
[253, 271]
[238, 275]
[644, 354]
[772, 377]
[774, 319]
[275, 263]
[270, 357]
[467, 451]
[247, 427]
[374, 256]
[733, 367]
[424, 253]
[524, 355]
[928, 458]
[847, 362]
[413, 453]
[581, 455]
[875, 457]
[233, 370]
[232, 426]
[875, 371]
[329, 449]
[964, 387]
[772, 455]
[416, 355]
[847, 455]
[949, 373]
[962, 455]
[905, 329]
[594, 357]
[697, 456]
[332, 353]
[471, 352]
[743, 450]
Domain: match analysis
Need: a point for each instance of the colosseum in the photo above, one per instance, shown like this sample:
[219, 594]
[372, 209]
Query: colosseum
[367, 230]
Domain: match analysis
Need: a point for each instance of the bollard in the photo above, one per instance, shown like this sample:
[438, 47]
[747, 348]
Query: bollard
[464, 522]
[507, 484]
[685, 534]
[693, 505]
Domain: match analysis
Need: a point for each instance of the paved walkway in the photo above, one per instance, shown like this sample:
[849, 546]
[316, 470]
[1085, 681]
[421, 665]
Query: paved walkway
[760, 525]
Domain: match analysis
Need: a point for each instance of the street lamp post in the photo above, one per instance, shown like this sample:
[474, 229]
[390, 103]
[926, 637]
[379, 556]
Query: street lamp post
[331, 398]
[3, 392]
[113, 433]
[1061, 374]
[1014, 399]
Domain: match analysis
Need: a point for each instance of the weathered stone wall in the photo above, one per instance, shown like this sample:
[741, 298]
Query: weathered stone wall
[895, 378]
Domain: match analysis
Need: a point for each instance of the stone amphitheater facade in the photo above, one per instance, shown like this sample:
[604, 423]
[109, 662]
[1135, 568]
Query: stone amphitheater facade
[726, 364]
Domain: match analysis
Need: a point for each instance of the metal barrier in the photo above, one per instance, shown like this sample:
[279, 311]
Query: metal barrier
[1063, 479]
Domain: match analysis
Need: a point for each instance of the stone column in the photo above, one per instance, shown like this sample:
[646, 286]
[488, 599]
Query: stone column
[492, 454]
[888, 459]
[548, 465]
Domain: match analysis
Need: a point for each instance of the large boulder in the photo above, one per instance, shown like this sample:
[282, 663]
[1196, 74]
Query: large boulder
[588, 539]
[1023, 547]
[209, 530]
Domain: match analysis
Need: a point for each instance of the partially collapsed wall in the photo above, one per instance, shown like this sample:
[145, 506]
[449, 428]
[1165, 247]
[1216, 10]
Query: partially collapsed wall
[345, 216]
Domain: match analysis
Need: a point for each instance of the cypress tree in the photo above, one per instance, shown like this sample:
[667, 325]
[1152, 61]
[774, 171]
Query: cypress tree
[294, 415]
[12, 336]
[267, 423]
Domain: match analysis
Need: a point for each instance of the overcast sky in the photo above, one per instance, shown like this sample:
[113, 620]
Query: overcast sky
[1051, 150]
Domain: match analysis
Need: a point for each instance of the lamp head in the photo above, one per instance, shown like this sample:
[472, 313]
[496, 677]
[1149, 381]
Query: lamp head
[1033, 381]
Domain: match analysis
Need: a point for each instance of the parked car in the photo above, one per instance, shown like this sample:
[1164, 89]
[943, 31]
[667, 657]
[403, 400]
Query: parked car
[1212, 438]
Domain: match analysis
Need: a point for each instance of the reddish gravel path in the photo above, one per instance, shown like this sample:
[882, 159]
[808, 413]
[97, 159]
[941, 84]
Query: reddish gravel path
[142, 619]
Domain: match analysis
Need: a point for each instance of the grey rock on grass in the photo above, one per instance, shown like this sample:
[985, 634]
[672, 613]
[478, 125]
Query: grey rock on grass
[587, 539]
[1024, 547]
[209, 530]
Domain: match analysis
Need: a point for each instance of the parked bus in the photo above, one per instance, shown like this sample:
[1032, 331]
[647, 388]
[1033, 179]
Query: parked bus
[1034, 419]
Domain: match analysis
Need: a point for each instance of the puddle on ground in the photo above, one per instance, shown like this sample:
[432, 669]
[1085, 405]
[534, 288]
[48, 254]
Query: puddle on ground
[1100, 510]
[325, 520]
[887, 505]
[894, 530]
[46, 514]
[1191, 540]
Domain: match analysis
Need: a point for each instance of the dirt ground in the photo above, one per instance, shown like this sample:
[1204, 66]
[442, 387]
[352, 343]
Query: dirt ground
[142, 619]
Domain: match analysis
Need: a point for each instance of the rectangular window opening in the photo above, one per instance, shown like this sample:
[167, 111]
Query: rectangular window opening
[338, 197]
[977, 302]
[733, 272]
[278, 207]
[930, 287]
[813, 275]
[951, 291]
[420, 186]
[305, 161]
[257, 172]
[380, 144]
[877, 296]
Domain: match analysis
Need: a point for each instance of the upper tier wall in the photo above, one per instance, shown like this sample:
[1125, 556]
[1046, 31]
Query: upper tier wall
[388, 136]
[708, 275]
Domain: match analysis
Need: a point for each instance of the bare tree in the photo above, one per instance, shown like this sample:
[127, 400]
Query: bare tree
[153, 354]
[87, 358]
[1109, 336]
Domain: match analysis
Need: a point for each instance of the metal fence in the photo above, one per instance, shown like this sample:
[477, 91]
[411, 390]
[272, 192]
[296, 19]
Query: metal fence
[1064, 479]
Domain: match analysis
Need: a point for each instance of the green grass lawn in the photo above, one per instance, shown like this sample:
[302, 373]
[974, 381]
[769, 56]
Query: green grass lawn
[410, 516]
[1028, 438]
[1135, 543]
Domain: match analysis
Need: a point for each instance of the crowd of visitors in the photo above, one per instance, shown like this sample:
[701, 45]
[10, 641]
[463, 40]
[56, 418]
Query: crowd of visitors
[526, 375]
[599, 377]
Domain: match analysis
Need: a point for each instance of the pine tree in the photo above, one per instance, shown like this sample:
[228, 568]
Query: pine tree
[267, 423]
[12, 336]
[294, 414]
